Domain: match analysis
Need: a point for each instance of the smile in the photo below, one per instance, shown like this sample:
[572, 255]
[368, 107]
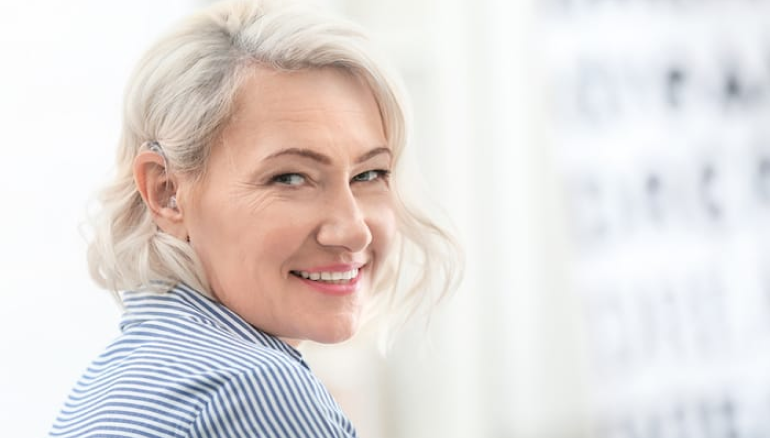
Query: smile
[341, 277]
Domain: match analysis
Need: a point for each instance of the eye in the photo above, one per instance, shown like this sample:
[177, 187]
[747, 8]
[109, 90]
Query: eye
[371, 175]
[289, 179]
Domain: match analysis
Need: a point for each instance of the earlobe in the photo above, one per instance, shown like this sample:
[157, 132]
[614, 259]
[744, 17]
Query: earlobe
[158, 189]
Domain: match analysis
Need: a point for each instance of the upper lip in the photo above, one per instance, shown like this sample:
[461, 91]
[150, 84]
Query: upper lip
[339, 267]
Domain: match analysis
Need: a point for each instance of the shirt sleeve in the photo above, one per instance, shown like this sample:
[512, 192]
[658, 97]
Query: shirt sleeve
[271, 402]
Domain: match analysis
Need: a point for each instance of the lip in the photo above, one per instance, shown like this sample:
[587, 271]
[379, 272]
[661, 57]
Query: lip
[340, 267]
[341, 289]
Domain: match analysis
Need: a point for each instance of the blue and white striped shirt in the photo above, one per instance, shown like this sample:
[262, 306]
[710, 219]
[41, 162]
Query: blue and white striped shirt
[186, 366]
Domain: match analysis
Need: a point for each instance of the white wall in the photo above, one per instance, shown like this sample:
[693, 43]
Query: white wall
[64, 65]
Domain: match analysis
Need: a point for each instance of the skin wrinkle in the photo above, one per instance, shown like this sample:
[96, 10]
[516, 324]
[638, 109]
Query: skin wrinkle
[251, 229]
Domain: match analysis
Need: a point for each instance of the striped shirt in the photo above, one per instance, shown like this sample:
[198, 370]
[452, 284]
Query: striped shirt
[186, 366]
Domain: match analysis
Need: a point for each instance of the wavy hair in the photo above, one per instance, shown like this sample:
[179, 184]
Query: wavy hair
[181, 96]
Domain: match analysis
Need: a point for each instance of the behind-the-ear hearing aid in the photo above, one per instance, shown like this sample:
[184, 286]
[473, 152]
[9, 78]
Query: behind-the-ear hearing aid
[154, 146]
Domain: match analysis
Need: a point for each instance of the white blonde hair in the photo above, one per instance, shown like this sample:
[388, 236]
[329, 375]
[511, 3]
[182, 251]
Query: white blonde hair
[181, 96]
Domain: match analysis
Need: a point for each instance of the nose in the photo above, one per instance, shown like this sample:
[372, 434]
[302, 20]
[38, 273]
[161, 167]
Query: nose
[344, 223]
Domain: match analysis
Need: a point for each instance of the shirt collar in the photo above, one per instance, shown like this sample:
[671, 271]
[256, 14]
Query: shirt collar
[182, 301]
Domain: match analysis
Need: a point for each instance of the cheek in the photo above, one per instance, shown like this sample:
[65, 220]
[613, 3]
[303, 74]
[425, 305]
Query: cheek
[383, 226]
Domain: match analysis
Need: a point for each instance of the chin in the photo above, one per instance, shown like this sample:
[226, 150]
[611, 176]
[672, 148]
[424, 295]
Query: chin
[336, 334]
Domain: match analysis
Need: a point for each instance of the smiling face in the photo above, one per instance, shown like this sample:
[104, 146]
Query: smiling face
[294, 215]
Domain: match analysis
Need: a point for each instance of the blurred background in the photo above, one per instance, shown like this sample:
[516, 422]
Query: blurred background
[607, 166]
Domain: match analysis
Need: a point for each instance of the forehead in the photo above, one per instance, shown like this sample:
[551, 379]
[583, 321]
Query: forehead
[308, 107]
[273, 87]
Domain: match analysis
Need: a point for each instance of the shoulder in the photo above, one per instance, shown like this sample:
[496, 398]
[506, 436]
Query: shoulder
[177, 372]
[222, 389]
[272, 400]
[237, 388]
[276, 396]
[199, 346]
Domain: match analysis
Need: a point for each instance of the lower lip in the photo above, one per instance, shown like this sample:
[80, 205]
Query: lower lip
[340, 289]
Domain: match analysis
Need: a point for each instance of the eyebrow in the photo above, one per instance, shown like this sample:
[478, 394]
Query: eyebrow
[323, 159]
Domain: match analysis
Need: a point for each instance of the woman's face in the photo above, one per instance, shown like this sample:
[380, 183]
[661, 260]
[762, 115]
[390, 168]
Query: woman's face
[295, 215]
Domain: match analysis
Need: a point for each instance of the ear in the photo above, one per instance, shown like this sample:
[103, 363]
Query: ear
[158, 189]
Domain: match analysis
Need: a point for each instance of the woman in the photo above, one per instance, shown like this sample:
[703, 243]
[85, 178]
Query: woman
[255, 206]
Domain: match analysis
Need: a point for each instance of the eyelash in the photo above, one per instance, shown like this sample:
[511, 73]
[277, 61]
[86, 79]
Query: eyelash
[381, 174]
[281, 178]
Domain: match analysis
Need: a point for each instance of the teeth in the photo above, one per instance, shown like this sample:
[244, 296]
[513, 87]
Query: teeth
[328, 276]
